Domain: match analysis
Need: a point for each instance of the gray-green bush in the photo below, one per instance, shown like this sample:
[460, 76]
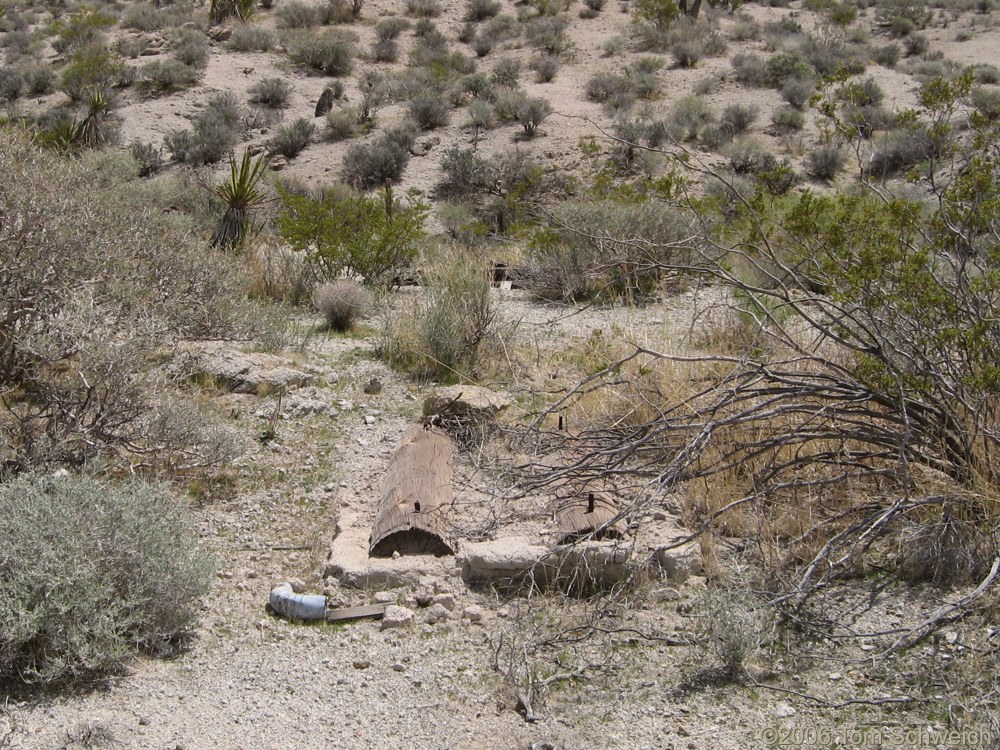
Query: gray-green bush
[92, 572]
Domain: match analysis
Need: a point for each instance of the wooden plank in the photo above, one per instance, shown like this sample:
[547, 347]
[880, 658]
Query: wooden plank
[354, 613]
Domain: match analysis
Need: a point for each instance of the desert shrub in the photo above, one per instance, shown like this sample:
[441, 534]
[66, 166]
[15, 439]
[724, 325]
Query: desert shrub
[248, 38]
[861, 93]
[11, 84]
[341, 303]
[429, 111]
[750, 157]
[507, 73]
[751, 70]
[480, 10]
[986, 73]
[167, 76]
[798, 91]
[591, 254]
[614, 46]
[132, 277]
[548, 34]
[787, 120]
[825, 161]
[986, 102]
[900, 151]
[594, 6]
[214, 132]
[915, 44]
[82, 29]
[271, 92]
[191, 48]
[545, 67]
[687, 54]
[507, 104]
[295, 14]
[390, 28]
[370, 165]
[144, 17]
[894, 12]
[482, 115]
[659, 14]
[90, 68]
[600, 87]
[340, 232]
[737, 119]
[532, 113]
[463, 173]
[452, 331]
[730, 628]
[343, 123]
[339, 11]
[291, 139]
[385, 50]
[323, 54]
[887, 55]
[137, 575]
[147, 156]
[39, 79]
[688, 117]
[423, 8]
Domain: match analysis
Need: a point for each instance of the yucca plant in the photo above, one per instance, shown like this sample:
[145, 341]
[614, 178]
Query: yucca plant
[241, 193]
[89, 132]
[245, 9]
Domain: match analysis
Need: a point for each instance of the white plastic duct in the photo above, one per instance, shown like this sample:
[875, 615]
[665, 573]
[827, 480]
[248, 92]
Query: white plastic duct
[287, 603]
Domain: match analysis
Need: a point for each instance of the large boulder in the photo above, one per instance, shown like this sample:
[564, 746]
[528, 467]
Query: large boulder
[243, 372]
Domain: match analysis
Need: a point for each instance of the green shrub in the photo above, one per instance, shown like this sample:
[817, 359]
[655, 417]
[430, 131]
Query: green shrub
[296, 14]
[248, 38]
[430, 110]
[737, 119]
[214, 133]
[371, 165]
[92, 573]
[385, 50]
[390, 28]
[90, 68]
[191, 48]
[602, 86]
[787, 120]
[986, 102]
[423, 8]
[11, 84]
[147, 156]
[343, 123]
[291, 139]
[323, 54]
[271, 92]
[167, 76]
[798, 92]
[887, 55]
[825, 161]
[688, 117]
[548, 34]
[480, 10]
[340, 232]
[455, 327]
[545, 67]
[532, 113]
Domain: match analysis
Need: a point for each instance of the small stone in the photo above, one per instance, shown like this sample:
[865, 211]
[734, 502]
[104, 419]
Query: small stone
[783, 711]
[667, 595]
[395, 554]
[398, 667]
[835, 676]
[396, 617]
[473, 613]
[436, 613]
[298, 585]
[385, 597]
[424, 597]
[659, 515]
[362, 664]
[143, 721]
[373, 387]
[445, 600]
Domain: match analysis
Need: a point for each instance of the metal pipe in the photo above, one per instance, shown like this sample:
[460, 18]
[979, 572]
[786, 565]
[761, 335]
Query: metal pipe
[287, 603]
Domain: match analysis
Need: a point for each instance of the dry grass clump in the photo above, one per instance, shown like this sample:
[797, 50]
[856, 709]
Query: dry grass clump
[342, 304]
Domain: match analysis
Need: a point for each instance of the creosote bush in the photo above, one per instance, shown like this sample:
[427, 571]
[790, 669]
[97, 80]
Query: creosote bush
[341, 303]
[371, 165]
[93, 572]
[271, 92]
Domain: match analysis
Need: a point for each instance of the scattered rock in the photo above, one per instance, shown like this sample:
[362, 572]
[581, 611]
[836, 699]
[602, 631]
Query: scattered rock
[396, 617]
[424, 597]
[369, 420]
[465, 402]
[784, 710]
[241, 372]
[473, 613]
[667, 595]
[220, 33]
[277, 163]
[385, 597]
[373, 387]
[398, 667]
[436, 613]
[445, 600]
[361, 664]
[680, 563]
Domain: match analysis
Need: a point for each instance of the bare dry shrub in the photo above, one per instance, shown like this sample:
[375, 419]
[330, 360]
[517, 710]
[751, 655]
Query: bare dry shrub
[280, 274]
[341, 303]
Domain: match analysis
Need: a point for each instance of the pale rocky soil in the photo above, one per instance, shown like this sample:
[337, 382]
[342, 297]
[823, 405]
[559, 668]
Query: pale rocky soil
[253, 681]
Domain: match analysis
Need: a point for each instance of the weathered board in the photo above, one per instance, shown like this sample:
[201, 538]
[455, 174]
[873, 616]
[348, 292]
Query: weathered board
[587, 514]
[354, 613]
[415, 509]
